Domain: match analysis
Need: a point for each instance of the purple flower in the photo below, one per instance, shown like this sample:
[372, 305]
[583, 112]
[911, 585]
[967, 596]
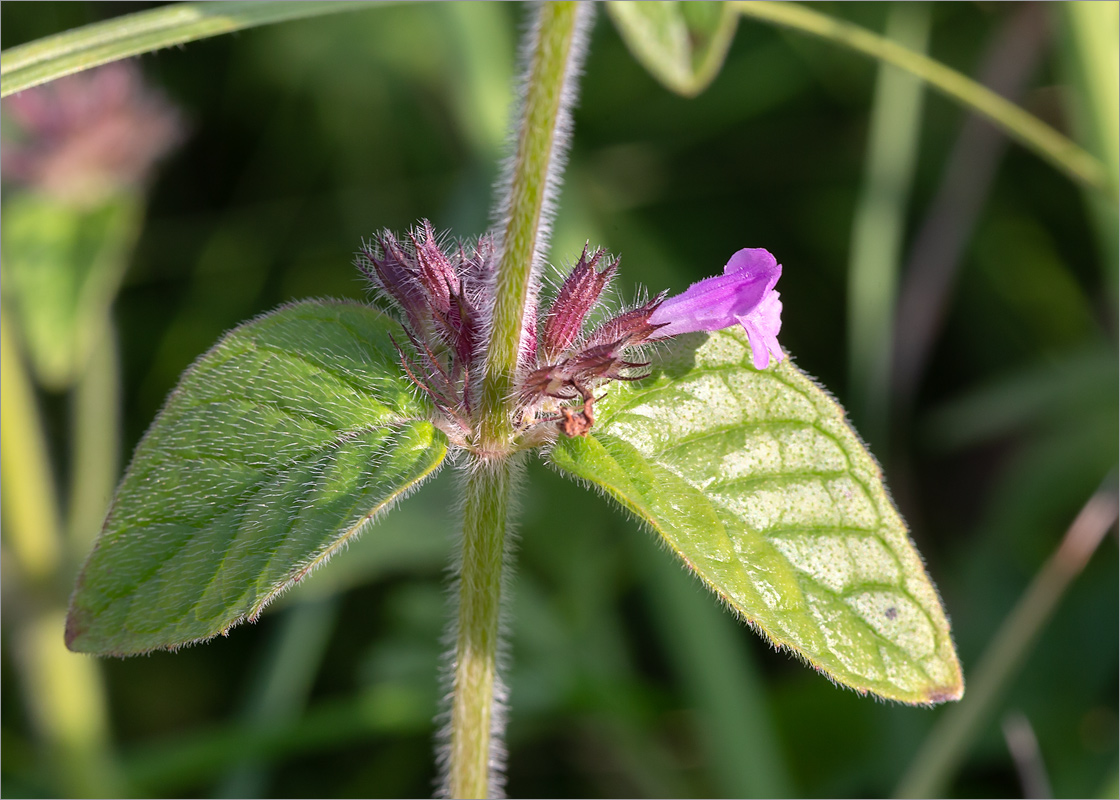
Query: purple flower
[744, 294]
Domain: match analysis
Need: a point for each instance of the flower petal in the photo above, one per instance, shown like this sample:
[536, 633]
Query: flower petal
[753, 261]
[744, 295]
[762, 326]
[709, 305]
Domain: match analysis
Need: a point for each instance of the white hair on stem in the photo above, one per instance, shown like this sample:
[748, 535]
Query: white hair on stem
[514, 467]
[472, 756]
[502, 215]
[561, 138]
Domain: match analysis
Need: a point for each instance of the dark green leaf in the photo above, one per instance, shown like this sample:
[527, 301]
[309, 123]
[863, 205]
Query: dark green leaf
[278, 446]
[683, 45]
[755, 480]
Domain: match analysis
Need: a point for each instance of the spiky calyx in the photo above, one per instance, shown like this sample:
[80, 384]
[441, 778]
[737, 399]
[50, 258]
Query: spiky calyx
[440, 295]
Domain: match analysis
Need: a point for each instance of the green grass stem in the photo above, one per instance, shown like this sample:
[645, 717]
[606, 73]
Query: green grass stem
[879, 226]
[80, 49]
[1025, 128]
[945, 748]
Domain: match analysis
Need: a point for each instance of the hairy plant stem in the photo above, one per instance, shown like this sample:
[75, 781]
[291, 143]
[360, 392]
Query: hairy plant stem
[532, 178]
[473, 759]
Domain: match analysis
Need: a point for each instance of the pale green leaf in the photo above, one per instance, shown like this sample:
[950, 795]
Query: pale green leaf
[683, 45]
[62, 266]
[755, 480]
[278, 446]
[75, 50]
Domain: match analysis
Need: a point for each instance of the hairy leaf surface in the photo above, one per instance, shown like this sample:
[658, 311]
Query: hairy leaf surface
[683, 45]
[278, 445]
[756, 481]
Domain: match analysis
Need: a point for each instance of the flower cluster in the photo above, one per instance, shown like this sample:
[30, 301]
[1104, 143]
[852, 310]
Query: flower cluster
[443, 299]
[571, 364]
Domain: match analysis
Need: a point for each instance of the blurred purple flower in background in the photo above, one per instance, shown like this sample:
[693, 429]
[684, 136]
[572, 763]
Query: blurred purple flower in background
[89, 134]
[743, 295]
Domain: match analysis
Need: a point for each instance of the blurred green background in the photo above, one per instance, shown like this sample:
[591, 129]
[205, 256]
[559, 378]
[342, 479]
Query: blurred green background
[625, 678]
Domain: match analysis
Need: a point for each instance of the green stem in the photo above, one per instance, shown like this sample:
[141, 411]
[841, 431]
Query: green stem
[532, 180]
[95, 442]
[1026, 128]
[31, 523]
[880, 224]
[66, 697]
[475, 754]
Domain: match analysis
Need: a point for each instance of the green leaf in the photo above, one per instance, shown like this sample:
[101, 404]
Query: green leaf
[755, 480]
[278, 446]
[683, 45]
[62, 267]
[143, 32]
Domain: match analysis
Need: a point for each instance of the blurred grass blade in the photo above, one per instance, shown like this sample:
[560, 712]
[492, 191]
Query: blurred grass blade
[1022, 743]
[1082, 386]
[277, 447]
[95, 409]
[956, 731]
[1025, 128]
[879, 226]
[936, 254]
[1094, 55]
[756, 482]
[280, 685]
[72, 51]
[173, 766]
[66, 698]
[1090, 50]
[683, 45]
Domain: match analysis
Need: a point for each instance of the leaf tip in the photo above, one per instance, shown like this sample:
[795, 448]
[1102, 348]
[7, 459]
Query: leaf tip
[945, 694]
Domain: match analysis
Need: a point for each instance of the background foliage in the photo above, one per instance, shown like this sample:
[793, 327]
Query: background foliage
[626, 678]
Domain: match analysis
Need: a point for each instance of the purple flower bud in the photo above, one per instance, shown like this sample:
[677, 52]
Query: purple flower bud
[744, 295]
[434, 270]
[628, 329]
[442, 297]
[577, 296]
[387, 266]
